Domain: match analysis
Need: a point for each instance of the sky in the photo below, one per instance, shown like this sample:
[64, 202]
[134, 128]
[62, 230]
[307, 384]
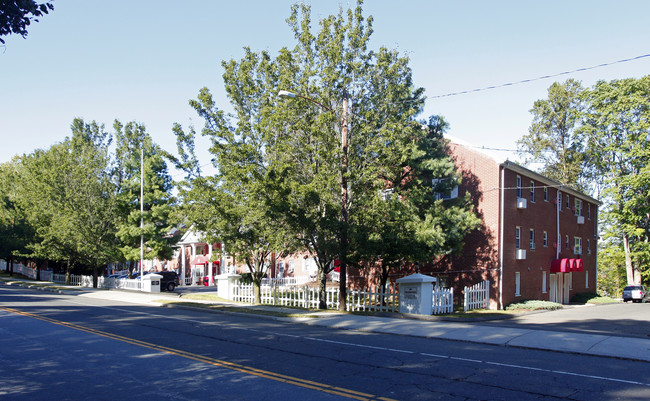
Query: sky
[143, 60]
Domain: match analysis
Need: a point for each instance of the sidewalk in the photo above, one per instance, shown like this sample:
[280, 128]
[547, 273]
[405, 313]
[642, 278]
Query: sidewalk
[579, 343]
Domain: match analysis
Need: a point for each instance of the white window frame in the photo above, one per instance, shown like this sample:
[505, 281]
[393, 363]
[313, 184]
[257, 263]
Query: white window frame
[517, 284]
[577, 245]
[519, 186]
[588, 246]
[578, 206]
[545, 239]
[517, 237]
[532, 191]
[532, 239]
[453, 194]
[545, 194]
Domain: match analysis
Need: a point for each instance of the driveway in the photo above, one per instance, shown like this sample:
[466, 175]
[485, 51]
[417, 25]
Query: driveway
[629, 320]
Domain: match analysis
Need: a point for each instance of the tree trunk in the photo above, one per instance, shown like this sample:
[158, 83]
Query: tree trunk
[383, 279]
[67, 273]
[95, 276]
[629, 266]
[322, 289]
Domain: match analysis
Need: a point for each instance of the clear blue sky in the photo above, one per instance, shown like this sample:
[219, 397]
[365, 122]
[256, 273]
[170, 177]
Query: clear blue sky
[143, 60]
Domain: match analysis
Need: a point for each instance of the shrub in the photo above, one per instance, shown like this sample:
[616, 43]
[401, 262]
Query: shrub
[534, 305]
[591, 298]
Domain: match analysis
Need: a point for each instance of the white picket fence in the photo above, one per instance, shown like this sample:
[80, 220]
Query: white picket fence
[371, 300]
[286, 281]
[46, 275]
[477, 296]
[307, 297]
[443, 300]
[102, 282]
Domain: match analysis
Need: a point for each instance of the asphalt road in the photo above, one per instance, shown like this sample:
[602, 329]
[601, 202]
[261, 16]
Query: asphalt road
[64, 347]
[619, 319]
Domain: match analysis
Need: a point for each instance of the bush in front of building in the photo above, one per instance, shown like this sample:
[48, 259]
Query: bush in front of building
[591, 298]
[530, 305]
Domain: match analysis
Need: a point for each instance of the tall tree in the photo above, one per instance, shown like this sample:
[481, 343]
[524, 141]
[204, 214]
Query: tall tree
[132, 141]
[68, 195]
[15, 231]
[232, 206]
[348, 133]
[407, 221]
[617, 125]
[554, 138]
[17, 15]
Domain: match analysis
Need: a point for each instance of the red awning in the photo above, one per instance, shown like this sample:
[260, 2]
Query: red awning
[200, 260]
[566, 265]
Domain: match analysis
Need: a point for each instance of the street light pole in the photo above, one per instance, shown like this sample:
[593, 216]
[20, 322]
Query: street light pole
[141, 214]
[344, 238]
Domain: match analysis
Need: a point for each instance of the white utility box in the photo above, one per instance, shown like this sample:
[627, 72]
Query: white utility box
[151, 282]
[225, 285]
[416, 294]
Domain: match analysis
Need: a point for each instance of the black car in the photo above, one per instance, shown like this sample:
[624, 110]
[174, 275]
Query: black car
[169, 280]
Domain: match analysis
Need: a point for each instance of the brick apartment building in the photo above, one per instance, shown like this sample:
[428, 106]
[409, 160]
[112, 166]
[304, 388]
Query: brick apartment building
[537, 239]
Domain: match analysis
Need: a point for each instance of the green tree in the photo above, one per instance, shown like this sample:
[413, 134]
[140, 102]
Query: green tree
[554, 137]
[351, 133]
[132, 140]
[232, 206]
[16, 15]
[617, 125]
[69, 197]
[15, 231]
[407, 221]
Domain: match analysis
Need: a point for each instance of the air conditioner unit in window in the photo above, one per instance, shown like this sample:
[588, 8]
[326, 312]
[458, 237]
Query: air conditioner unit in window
[521, 254]
[581, 219]
[521, 203]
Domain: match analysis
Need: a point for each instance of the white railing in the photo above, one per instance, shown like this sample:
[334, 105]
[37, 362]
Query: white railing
[286, 281]
[307, 297]
[477, 296]
[46, 275]
[443, 300]
[102, 282]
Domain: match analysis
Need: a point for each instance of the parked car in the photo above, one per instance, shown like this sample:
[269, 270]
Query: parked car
[635, 293]
[169, 280]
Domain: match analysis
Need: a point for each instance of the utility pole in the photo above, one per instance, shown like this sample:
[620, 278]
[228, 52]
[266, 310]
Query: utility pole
[141, 213]
[343, 295]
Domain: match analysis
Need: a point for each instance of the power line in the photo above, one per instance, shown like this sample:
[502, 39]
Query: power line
[538, 78]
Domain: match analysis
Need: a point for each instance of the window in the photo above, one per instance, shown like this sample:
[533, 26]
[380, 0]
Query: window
[568, 204]
[517, 284]
[291, 265]
[567, 242]
[577, 245]
[518, 237]
[545, 239]
[559, 200]
[280, 269]
[545, 194]
[445, 183]
[518, 186]
[589, 211]
[386, 194]
[543, 282]
[588, 247]
[578, 205]
[532, 191]
[532, 239]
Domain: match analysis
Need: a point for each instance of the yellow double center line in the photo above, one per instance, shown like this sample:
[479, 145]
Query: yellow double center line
[211, 361]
